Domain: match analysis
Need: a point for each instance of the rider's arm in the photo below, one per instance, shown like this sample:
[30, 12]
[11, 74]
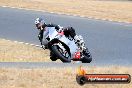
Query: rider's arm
[40, 35]
[57, 27]
[44, 43]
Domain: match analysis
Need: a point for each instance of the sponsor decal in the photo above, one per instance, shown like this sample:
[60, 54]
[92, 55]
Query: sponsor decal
[82, 78]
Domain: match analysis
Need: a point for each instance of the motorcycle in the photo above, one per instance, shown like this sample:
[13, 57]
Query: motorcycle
[64, 48]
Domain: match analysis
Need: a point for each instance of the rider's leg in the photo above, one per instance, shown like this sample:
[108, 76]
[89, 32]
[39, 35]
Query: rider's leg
[78, 39]
[80, 42]
[69, 31]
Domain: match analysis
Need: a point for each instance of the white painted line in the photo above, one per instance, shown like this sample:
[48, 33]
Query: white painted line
[16, 41]
[37, 45]
[32, 44]
[89, 17]
[51, 12]
[3, 39]
[66, 14]
[110, 20]
[21, 42]
[8, 40]
[82, 16]
[26, 43]
[103, 19]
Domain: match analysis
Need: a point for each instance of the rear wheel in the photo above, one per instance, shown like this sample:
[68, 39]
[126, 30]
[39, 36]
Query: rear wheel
[63, 55]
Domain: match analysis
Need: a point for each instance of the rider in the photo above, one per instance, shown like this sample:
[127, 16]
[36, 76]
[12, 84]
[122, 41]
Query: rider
[68, 31]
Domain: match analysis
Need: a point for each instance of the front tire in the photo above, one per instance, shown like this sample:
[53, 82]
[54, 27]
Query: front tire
[55, 49]
[53, 56]
[87, 57]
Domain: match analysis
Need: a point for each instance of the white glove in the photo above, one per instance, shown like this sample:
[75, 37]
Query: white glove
[77, 39]
[43, 46]
[60, 28]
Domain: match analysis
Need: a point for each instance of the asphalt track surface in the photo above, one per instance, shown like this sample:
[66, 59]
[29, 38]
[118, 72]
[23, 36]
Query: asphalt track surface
[110, 43]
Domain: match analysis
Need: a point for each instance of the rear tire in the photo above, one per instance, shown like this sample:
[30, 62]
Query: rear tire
[54, 49]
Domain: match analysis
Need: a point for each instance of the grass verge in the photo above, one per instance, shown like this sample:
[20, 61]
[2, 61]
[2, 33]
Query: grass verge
[15, 52]
[56, 77]
[101, 9]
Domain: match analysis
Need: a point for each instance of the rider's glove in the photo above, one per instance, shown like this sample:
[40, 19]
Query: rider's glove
[43, 46]
[40, 37]
[60, 30]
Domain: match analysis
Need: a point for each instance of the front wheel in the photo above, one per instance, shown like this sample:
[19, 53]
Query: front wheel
[87, 57]
[53, 56]
[61, 54]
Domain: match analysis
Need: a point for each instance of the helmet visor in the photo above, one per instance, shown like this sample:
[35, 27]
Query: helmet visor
[39, 25]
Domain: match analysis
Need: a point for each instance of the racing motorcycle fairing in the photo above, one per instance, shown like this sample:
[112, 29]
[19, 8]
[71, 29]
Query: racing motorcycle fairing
[62, 47]
[55, 42]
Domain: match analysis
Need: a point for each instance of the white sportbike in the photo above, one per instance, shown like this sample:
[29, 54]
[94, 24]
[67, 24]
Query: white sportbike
[64, 48]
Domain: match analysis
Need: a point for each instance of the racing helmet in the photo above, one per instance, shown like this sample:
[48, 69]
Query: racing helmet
[39, 22]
